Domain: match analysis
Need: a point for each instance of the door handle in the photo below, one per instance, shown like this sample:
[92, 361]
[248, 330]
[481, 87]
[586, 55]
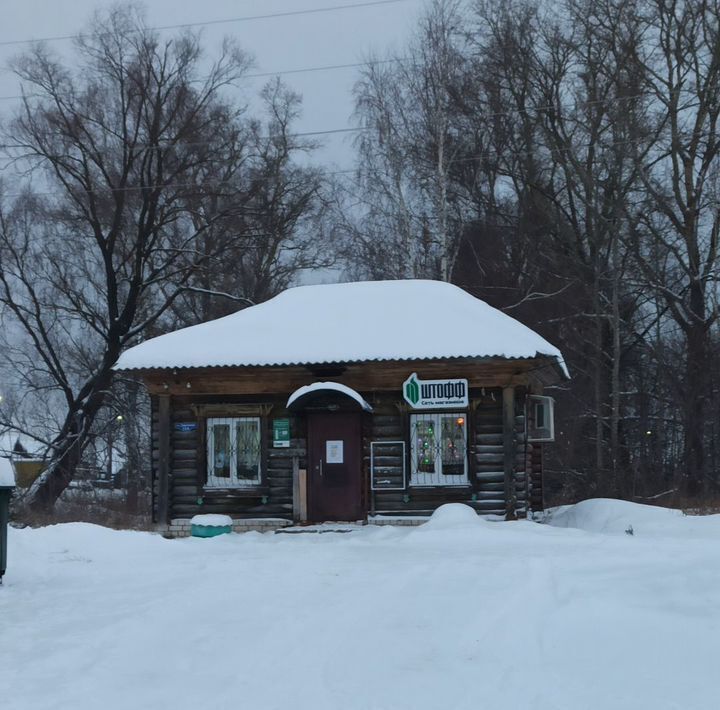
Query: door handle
[321, 468]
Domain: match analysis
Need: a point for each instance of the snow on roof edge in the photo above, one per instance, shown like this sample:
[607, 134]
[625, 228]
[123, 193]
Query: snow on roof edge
[559, 361]
[334, 387]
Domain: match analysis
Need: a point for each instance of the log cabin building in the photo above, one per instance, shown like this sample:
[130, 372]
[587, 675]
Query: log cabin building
[349, 402]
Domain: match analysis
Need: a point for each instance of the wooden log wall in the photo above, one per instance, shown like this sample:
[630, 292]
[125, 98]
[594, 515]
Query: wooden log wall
[187, 493]
[485, 489]
[488, 453]
[154, 434]
[535, 469]
[390, 422]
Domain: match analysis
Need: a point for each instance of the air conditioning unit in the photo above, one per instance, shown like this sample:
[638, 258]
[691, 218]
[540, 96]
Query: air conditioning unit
[541, 418]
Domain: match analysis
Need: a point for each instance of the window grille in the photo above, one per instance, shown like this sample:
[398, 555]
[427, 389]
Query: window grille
[233, 452]
[438, 449]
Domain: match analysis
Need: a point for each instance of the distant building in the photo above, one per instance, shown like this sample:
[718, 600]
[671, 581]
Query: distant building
[349, 402]
[23, 455]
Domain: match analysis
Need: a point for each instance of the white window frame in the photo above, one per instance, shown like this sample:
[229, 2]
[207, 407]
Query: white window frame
[233, 481]
[436, 478]
[546, 433]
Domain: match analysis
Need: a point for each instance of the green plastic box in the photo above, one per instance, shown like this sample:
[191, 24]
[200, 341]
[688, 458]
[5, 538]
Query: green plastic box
[209, 530]
[210, 525]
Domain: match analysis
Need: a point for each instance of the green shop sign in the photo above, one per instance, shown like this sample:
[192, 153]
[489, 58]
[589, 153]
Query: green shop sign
[281, 433]
[435, 394]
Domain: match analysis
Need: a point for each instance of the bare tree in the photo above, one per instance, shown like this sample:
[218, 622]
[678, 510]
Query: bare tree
[103, 247]
[410, 217]
[677, 241]
[275, 226]
[577, 185]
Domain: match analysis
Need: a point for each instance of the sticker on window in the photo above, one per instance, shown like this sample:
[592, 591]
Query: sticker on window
[334, 452]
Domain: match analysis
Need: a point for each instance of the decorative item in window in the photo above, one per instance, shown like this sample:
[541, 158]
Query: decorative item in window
[234, 452]
[542, 419]
[438, 449]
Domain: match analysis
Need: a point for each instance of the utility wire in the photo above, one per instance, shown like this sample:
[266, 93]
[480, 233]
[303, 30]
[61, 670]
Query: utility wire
[259, 75]
[196, 144]
[356, 129]
[322, 173]
[207, 23]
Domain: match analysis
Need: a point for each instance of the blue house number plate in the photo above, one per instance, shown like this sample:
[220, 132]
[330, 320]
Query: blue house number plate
[185, 426]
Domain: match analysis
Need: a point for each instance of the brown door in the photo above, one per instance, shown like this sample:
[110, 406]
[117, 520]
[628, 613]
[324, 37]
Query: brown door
[334, 466]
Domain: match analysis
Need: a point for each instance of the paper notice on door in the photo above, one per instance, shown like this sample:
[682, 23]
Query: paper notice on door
[334, 451]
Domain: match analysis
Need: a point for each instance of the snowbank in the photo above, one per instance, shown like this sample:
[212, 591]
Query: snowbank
[606, 515]
[371, 320]
[451, 516]
[447, 615]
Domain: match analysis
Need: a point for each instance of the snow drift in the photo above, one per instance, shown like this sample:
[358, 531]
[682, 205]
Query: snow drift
[459, 613]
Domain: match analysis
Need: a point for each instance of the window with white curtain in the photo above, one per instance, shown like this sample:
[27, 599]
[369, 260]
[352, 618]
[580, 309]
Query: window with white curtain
[233, 452]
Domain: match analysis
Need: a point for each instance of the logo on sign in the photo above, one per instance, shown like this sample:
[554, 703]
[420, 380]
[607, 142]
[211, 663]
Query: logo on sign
[428, 394]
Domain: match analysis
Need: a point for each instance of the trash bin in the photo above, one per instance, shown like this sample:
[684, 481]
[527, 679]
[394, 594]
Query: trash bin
[7, 484]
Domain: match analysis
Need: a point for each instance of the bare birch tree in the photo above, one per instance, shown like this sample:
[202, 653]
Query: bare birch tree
[411, 217]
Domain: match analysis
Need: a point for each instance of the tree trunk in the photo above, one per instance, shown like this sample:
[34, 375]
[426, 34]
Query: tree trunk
[51, 483]
[68, 447]
[693, 475]
[615, 377]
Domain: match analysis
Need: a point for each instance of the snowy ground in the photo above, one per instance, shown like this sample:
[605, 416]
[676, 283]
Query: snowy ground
[458, 613]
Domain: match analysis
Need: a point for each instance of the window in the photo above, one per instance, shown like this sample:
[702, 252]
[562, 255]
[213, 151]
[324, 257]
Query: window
[438, 449]
[233, 452]
[542, 419]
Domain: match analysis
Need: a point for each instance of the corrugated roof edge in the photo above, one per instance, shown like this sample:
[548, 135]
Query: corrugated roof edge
[560, 362]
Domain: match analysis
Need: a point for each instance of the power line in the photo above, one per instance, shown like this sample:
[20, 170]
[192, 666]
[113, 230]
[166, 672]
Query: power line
[197, 144]
[327, 67]
[259, 75]
[355, 129]
[481, 156]
[135, 188]
[207, 23]
[323, 173]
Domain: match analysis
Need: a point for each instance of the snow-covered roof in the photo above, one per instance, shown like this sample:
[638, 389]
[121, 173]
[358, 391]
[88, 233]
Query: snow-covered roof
[324, 387]
[9, 439]
[349, 322]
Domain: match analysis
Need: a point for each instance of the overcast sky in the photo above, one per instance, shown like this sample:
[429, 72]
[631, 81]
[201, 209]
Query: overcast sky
[278, 44]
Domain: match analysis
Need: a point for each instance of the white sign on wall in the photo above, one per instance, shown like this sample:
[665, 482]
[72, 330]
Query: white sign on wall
[334, 451]
[435, 394]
